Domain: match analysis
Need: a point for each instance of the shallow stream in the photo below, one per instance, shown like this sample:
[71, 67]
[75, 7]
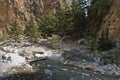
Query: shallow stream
[54, 70]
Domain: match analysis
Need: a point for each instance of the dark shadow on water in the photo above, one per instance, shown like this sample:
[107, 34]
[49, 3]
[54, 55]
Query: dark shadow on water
[27, 76]
[37, 76]
[42, 76]
[57, 74]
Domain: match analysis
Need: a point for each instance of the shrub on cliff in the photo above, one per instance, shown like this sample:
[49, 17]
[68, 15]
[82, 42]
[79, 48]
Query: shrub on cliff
[15, 30]
[31, 30]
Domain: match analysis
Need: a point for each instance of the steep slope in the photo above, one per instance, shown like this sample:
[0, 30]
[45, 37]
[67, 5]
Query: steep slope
[23, 9]
[111, 22]
[104, 19]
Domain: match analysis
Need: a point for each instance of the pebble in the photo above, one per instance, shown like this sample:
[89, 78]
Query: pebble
[72, 71]
[71, 78]
[49, 72]
[64, 69]
[48, 65]
[75, 68]
[85, 74]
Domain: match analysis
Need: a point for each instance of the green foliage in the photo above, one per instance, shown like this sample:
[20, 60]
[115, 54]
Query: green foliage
[48, 24]
[111, 57]
[4, 37]
[60, 24]
[15, 30]
[32, 31]
[105, 44]
[65, 22]
[79, 19]
[97, 11]
[55, 37]
[93, 43]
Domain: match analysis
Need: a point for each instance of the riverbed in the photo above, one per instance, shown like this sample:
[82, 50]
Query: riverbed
[42, 63]
[54, 70]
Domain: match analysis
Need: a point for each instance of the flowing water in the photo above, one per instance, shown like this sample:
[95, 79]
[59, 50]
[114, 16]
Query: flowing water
[54, 70]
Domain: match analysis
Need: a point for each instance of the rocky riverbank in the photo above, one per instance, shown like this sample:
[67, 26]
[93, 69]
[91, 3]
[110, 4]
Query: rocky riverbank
[27, 58]
[15, 56]
[54, 70]
[81, 56]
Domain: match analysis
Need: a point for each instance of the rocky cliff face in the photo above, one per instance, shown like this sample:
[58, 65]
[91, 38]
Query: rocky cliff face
[111, 22]
[23, 9]
[104, 19]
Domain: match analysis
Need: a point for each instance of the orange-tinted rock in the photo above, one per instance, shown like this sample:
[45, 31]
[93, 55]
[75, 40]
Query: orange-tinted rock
[104, 19]
[112, 22]
[23, 9]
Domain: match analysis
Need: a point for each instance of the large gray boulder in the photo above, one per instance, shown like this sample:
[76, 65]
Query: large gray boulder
[76, 58]
[74, 55]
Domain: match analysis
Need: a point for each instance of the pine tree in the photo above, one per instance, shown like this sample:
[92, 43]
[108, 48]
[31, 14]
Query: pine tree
[79, 17]
[32, 31]
[47, 25]
[15, 30]
[65, 22]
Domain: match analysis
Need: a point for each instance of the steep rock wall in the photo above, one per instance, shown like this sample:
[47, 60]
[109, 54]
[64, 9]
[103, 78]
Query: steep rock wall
[21, 10]
[104, 19]
[111, 22]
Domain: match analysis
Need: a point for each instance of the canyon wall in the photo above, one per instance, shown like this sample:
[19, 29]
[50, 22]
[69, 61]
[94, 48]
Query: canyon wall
[111, 22]
[21, 10]
[104, 19]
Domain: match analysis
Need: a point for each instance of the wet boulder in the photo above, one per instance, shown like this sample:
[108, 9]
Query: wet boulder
[76, 56]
